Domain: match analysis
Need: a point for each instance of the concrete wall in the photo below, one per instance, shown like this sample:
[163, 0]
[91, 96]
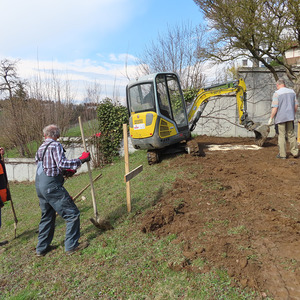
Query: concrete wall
[20, 169]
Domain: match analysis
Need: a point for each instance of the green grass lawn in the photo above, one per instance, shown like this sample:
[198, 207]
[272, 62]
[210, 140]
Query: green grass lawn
[89, 128]
[122, 263]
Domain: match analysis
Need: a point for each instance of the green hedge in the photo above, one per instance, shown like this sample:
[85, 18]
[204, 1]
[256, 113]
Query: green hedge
[111, 117]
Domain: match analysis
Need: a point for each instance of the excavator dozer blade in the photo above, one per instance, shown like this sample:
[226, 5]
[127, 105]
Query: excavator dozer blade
[261, 133]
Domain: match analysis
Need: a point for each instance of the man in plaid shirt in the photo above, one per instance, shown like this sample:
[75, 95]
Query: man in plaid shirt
[53, 197]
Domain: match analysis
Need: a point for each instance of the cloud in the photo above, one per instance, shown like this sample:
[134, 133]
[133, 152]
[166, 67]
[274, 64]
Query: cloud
[123, 58]
[111, 75]
[66, 39]
[68, 27]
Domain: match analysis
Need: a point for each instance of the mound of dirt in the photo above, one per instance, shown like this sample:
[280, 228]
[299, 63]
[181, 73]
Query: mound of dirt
[236, 209]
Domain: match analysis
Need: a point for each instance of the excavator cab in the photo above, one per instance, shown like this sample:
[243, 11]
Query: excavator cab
[157, 112]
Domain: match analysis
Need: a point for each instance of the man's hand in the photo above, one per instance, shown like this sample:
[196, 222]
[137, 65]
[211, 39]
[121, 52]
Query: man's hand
[68, 173]
[85, 156]
[271, 121]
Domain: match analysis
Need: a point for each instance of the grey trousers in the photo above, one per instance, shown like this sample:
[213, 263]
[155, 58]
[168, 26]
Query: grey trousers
[286, 129]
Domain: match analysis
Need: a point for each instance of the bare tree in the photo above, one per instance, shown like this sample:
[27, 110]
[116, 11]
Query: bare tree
[14, 109]
[56, 96]
[27, 108]
[22, 127]
[91, 101]
[93, 92]
[176, 51]
[262, 30]
[9, 79]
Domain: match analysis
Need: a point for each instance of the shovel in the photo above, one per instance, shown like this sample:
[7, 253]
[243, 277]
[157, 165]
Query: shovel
[15, 216]
[99, 223]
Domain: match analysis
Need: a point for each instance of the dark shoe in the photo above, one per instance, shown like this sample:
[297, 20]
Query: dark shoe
[278, 156]
[295, 156]
[3, 243]
[43, 253]
[80, 247]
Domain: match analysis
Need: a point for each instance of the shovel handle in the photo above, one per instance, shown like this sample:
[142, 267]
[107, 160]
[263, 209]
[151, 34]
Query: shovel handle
[89, 170]
[75, 197]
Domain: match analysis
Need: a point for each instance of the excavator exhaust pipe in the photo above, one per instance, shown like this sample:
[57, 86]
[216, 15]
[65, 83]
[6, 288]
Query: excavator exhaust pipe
[261, 133]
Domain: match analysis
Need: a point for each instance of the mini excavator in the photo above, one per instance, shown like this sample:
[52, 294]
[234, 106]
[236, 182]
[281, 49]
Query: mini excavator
[160, 122]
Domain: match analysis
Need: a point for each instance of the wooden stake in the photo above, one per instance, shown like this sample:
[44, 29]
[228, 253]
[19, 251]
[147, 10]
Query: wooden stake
[126, 157]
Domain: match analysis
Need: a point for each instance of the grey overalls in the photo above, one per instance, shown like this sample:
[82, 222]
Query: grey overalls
[55, 198]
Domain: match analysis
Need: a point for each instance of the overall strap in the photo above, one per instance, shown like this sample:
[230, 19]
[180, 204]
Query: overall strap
[46, 150]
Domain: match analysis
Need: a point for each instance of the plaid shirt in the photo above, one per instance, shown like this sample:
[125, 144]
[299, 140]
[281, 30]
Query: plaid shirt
[55, 159]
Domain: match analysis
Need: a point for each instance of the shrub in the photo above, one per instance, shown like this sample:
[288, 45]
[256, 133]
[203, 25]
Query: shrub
[111, 118]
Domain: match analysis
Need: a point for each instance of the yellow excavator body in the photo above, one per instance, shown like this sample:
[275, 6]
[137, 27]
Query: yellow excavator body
[144, 126]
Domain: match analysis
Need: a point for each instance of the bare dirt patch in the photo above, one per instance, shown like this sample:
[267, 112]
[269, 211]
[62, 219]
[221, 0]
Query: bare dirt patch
[238, 210]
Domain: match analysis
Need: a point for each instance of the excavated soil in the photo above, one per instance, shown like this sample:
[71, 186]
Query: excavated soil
[238, 210]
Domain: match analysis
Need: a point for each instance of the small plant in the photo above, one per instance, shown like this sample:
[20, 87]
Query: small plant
[171, 237]
[289, 264]
[212, 184]
[199, 262]
[214, 223]
[243, 248]
[252, 257]
[237, 230]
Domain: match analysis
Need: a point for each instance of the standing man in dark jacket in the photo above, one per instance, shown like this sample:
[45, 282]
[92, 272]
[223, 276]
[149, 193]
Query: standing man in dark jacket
[284, 107]
[51, 162]
[4, 191]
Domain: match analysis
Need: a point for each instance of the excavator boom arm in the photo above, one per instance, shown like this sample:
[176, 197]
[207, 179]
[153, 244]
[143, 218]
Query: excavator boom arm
[238, 87]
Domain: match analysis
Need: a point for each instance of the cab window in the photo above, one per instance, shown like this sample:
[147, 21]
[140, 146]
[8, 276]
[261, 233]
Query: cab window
[162, 97]
[170, 101]
[141, 98]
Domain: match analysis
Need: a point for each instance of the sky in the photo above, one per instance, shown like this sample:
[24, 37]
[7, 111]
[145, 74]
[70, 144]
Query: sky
[86, 41]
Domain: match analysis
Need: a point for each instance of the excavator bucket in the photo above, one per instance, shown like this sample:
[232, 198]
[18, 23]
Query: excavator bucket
[261, 133]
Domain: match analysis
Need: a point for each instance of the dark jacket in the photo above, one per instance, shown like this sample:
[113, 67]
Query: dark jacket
[4, 191]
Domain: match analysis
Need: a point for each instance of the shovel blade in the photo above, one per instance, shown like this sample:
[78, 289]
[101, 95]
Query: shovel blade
[101, 224]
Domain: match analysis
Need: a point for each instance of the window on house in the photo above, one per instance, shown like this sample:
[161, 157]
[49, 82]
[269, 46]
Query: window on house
[245, 62]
